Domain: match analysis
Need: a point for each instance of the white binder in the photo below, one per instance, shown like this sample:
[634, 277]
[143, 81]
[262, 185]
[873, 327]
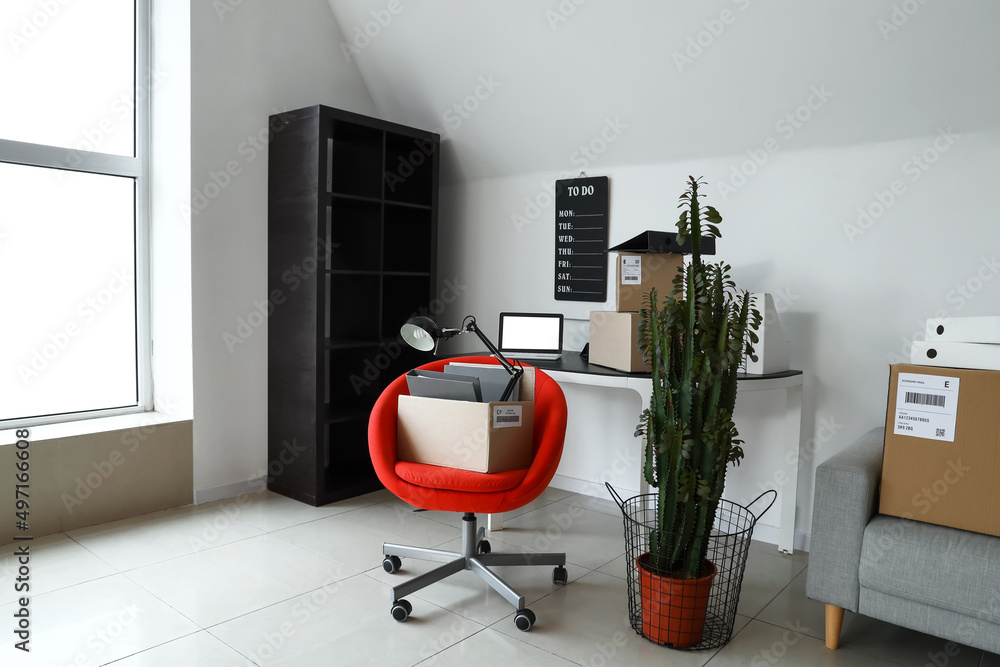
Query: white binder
[964, 329]
[772, 350]
[955, 355]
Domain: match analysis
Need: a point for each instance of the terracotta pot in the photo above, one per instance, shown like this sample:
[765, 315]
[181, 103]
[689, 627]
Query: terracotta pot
[673, 610]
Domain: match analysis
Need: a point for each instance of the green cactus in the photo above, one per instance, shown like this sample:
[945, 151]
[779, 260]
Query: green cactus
[696, 341]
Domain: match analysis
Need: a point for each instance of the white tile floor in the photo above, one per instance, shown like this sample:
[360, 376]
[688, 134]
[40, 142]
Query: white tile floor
[264, 580]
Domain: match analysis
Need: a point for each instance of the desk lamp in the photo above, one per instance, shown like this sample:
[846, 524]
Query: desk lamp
[423, 333]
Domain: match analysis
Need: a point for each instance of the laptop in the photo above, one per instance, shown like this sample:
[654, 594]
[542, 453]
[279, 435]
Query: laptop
[531, 335]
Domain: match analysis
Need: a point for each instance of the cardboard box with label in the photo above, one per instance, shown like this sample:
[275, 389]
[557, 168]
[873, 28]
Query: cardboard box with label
[941, 461]
[638, 273]
[481, 437]
[614, 339]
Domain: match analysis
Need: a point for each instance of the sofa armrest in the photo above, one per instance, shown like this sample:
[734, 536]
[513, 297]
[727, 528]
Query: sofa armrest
[846, 498]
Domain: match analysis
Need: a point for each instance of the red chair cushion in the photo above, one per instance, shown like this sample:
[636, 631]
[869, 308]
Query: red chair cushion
[452, 479]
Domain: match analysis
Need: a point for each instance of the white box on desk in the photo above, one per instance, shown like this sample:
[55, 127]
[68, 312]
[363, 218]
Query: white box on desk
[614, 339]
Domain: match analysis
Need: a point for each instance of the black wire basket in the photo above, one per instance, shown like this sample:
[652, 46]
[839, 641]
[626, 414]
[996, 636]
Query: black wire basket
[728, 546]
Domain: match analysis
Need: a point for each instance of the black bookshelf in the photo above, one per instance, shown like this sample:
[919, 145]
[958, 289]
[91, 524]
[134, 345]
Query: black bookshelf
[352, 253]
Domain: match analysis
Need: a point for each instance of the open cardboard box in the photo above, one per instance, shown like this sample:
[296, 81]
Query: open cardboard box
[481, 437]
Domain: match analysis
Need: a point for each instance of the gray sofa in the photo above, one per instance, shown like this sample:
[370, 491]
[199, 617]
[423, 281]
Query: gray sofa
[941, 581]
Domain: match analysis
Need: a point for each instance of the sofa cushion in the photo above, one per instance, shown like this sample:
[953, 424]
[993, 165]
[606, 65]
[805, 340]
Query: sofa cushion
[934, 565]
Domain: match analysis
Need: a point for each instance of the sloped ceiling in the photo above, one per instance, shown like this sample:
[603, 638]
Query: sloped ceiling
[678, 80]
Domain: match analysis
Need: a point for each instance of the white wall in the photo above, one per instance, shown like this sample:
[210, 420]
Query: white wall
[848, 302]
[248, 60]
[869, 82]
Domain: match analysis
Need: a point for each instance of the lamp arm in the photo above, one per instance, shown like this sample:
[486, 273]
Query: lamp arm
[515, 372]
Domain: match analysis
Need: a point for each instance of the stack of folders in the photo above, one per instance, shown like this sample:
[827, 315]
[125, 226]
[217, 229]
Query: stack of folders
[960, 342]
[433, 384]
[481, 383]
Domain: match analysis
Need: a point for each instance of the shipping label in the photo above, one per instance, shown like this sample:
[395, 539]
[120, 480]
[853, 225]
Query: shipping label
[926, 406]
[632, 270]
[507, 416]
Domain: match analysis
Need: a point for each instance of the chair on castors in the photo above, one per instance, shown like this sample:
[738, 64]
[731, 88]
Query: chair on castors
[439, 488]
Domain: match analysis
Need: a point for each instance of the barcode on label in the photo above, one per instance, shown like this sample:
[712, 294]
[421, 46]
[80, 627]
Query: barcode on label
[502, 420]
[917, 398]
[939, 432]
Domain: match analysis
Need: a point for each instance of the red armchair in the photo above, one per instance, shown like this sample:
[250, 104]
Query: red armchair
[449, 489]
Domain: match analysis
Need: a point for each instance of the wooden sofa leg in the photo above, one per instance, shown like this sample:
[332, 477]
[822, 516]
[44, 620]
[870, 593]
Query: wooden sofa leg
[834, 619]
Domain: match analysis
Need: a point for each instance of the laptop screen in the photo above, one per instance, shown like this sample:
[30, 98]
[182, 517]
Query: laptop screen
[522, 333]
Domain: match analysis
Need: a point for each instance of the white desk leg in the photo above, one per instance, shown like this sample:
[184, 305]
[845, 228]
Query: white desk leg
[494, 521]
[793, 438]
[643, 387]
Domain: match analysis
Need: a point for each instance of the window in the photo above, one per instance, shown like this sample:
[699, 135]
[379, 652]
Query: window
[74, 339]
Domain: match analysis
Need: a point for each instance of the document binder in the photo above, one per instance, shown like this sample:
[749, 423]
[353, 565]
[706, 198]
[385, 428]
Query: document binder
[964, 329]
[493, 379]
[949, 354]
[432, 384]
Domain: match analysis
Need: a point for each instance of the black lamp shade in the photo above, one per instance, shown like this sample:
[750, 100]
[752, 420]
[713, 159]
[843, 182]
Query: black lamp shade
[420, 332]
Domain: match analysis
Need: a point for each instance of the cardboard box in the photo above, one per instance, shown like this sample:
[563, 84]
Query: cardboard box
[638, 273]
[941, 462]
[614, 339]
[481, 437]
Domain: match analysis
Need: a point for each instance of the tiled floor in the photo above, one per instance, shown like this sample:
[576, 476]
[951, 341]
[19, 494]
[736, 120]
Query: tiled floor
[264, 580]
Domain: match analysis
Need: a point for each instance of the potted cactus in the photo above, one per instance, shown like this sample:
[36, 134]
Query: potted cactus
[696, 340]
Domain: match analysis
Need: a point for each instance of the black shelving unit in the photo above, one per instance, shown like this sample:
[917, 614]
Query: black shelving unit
[352, 253]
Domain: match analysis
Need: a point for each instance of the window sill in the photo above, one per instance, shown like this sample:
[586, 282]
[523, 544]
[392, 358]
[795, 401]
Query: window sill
[91, 426]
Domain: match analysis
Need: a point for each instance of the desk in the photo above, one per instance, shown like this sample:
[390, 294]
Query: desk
[571, 368]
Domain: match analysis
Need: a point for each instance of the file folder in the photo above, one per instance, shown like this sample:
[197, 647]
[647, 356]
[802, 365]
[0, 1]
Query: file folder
[493, 379]
[964, 329]
[433, 384]
[982, 356]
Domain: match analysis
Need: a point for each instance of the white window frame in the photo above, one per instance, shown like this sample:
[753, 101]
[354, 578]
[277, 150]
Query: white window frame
[137, 168]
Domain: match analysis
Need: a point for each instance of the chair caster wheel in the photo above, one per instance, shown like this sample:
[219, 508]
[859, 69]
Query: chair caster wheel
[401, 610]
[391, 564]
[559, 575]
[524, 619]
[483, 547]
